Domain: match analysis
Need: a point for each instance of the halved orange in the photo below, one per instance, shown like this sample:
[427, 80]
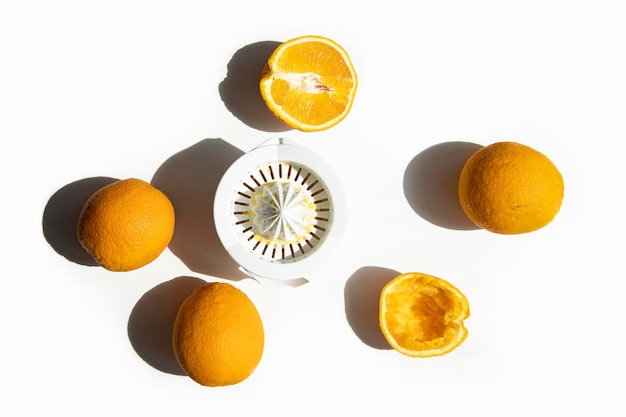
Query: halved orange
[309, 83]
[422, 316]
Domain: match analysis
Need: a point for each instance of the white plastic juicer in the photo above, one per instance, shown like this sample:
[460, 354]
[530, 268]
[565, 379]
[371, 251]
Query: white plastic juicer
[280, 212]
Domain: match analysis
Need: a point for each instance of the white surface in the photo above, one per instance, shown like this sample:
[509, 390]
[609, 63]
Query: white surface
[162, 91]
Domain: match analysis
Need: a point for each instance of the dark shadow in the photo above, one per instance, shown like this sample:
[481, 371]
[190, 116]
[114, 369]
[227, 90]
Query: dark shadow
[362, 297]
[60, 218]
[431, 184]
[240, 89]
[190, 179]
[151, 322]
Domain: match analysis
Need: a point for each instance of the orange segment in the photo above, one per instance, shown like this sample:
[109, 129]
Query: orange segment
[309, 83]
[422, 316]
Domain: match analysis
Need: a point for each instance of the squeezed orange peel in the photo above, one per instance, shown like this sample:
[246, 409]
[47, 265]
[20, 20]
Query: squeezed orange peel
[422, 316]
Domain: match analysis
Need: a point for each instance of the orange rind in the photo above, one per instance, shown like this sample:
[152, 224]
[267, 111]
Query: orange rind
[422, 316]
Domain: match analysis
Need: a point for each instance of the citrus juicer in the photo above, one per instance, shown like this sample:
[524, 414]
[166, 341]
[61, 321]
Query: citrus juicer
[279, 212]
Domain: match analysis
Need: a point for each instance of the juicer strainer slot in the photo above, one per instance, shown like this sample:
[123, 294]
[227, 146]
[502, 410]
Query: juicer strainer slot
[283, 211]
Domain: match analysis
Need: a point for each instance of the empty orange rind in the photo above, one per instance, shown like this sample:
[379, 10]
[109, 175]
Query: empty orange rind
[422, 316]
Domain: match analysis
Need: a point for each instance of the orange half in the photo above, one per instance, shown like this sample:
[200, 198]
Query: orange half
[309, 83]
[422, 316]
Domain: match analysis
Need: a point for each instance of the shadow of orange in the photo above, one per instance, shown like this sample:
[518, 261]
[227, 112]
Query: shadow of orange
[362, 298]
[60, 218]
[151, 322]
[431, 184]
[240, 90]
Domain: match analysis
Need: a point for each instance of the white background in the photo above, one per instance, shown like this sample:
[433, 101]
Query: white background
[165, 91]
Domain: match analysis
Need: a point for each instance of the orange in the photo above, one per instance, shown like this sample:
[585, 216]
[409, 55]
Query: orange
[422, 316]
[309, 83]
[510, 188]
[218, 335]
[126, 225]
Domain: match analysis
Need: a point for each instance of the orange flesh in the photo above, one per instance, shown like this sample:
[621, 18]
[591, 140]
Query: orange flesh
[422, 315]
[311, 85]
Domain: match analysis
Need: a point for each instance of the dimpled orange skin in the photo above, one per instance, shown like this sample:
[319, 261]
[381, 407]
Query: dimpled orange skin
[218, 335]
[126, 225]
[510, 188]
[422, 316]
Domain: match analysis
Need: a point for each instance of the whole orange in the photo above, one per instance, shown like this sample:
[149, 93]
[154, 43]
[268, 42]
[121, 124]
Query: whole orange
[510, 188]
[218, 335]
[126, 225]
